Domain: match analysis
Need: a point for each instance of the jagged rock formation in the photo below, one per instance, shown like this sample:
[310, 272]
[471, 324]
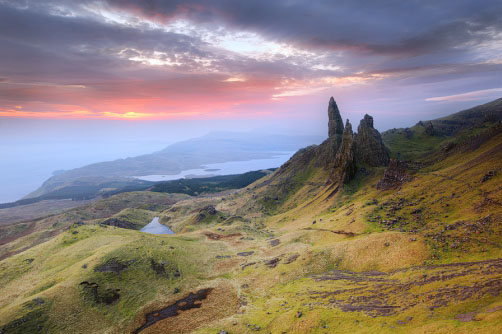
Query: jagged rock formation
[327, 151]
[394, 176]
[341, 152]
[366, 147]
[335, 123]
[370, 149]
[332, 163]
[345, 162]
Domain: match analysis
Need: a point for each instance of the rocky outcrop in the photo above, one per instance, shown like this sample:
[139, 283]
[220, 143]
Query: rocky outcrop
[429, 128]
[339, 155]
[206, 213]
[394, 176]
[345, 160]
[335, 122]
[326, 152]
[370, 149]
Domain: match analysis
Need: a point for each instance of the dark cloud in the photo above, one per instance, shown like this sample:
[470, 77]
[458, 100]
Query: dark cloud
[427, 47]
[387, 26]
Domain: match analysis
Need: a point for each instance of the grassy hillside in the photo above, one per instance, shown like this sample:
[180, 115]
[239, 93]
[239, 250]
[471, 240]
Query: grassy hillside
[426, 136]
[289, 253]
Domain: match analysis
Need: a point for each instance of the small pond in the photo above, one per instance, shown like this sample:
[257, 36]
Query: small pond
[155, 227]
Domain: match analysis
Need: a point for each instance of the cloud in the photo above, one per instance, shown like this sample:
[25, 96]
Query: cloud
[192, 58]
[469, 96]
[387, 27]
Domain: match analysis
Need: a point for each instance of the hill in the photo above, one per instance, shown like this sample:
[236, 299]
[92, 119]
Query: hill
[191, 154]
[344, 237]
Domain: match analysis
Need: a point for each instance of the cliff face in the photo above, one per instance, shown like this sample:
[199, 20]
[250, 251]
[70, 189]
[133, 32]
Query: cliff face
[335, 123]
[326, 152]
[370, 149]
[345, 160]
[332, 163]
[343, 151]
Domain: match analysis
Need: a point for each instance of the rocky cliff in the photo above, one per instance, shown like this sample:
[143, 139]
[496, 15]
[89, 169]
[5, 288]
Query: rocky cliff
[335, 123]
[345, 160]
[340, 154]
[370, 149]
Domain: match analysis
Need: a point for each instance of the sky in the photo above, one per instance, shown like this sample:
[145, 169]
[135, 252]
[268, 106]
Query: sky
[247, 61]
[94, 79]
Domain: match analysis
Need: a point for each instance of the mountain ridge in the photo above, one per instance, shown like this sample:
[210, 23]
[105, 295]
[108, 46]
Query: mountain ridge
[189, 154]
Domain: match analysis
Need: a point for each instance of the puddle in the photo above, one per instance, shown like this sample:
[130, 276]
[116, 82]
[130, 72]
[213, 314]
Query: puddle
[191, 301]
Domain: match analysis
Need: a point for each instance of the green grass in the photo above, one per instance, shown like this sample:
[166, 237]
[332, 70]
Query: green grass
[413, 148]
[445, 215]
[197, 186]
[63, 263]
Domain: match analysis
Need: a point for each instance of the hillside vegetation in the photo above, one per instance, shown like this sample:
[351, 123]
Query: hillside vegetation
[364, 233]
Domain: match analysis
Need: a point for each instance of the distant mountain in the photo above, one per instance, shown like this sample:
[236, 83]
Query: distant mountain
[216, 147]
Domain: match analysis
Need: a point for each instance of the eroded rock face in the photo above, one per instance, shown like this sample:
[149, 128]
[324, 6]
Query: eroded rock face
[345, 161]
[326, 152]
[340, 153]
[205, 212]
[394, 175]
[335, 124]
[370, 149]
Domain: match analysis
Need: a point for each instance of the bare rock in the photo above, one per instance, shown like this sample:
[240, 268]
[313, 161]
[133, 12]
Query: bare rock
[345, 162]
[370, 149]
[335, 122]
[274, 242]
[394, 176]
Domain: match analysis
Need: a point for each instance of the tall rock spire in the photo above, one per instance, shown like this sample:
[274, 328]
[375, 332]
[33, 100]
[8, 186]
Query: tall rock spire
[370, 149]
[335, 124]
[345, 162]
